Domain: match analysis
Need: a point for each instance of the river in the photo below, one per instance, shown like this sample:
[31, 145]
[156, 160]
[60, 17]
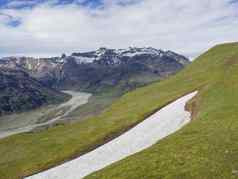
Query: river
[77, 99]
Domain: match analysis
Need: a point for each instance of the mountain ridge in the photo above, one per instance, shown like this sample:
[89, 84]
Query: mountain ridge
[111, 72]
[100, 69]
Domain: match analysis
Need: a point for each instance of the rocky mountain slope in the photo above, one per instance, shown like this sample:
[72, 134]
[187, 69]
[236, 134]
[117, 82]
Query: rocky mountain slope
[101, 69]
[20, 92]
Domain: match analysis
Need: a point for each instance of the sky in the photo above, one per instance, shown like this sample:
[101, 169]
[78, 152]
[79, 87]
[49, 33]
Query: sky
[52, 27]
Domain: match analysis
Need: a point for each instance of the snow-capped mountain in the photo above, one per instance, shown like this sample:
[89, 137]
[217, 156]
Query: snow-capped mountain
[101, 68]
[117, 56]
[101, 56]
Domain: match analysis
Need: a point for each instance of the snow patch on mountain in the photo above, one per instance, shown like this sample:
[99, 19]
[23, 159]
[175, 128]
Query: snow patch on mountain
[102, 55]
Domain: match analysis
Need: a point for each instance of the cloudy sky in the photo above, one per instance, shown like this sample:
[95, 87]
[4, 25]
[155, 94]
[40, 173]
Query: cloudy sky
[42, 28]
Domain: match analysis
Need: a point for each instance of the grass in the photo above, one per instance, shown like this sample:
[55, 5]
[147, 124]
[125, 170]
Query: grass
[107, 95]
[207, 148]
[95, 105]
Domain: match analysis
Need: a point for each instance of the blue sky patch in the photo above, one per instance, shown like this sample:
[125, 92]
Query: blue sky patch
[14, 23]
[20, 4]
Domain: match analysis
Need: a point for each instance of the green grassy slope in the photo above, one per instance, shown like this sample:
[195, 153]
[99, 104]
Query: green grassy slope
[206, 148]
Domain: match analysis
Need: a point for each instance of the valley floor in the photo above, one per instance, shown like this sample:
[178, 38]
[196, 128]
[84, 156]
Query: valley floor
[161, 124]
[33, 120]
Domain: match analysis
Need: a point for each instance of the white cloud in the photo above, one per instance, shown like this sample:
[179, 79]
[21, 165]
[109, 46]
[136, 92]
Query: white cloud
[185, 26]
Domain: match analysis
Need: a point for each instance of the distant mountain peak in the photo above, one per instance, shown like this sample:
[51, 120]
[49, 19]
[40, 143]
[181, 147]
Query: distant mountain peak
[100, 68]
[116, 56]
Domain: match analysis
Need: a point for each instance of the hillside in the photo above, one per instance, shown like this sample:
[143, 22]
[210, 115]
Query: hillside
[20, 92]
[206, 148]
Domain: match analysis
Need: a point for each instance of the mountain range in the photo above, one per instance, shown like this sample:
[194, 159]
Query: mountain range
[27, 82]
[96, 70]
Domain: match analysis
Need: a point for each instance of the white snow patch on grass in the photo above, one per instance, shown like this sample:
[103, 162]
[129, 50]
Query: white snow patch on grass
[161, 124]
